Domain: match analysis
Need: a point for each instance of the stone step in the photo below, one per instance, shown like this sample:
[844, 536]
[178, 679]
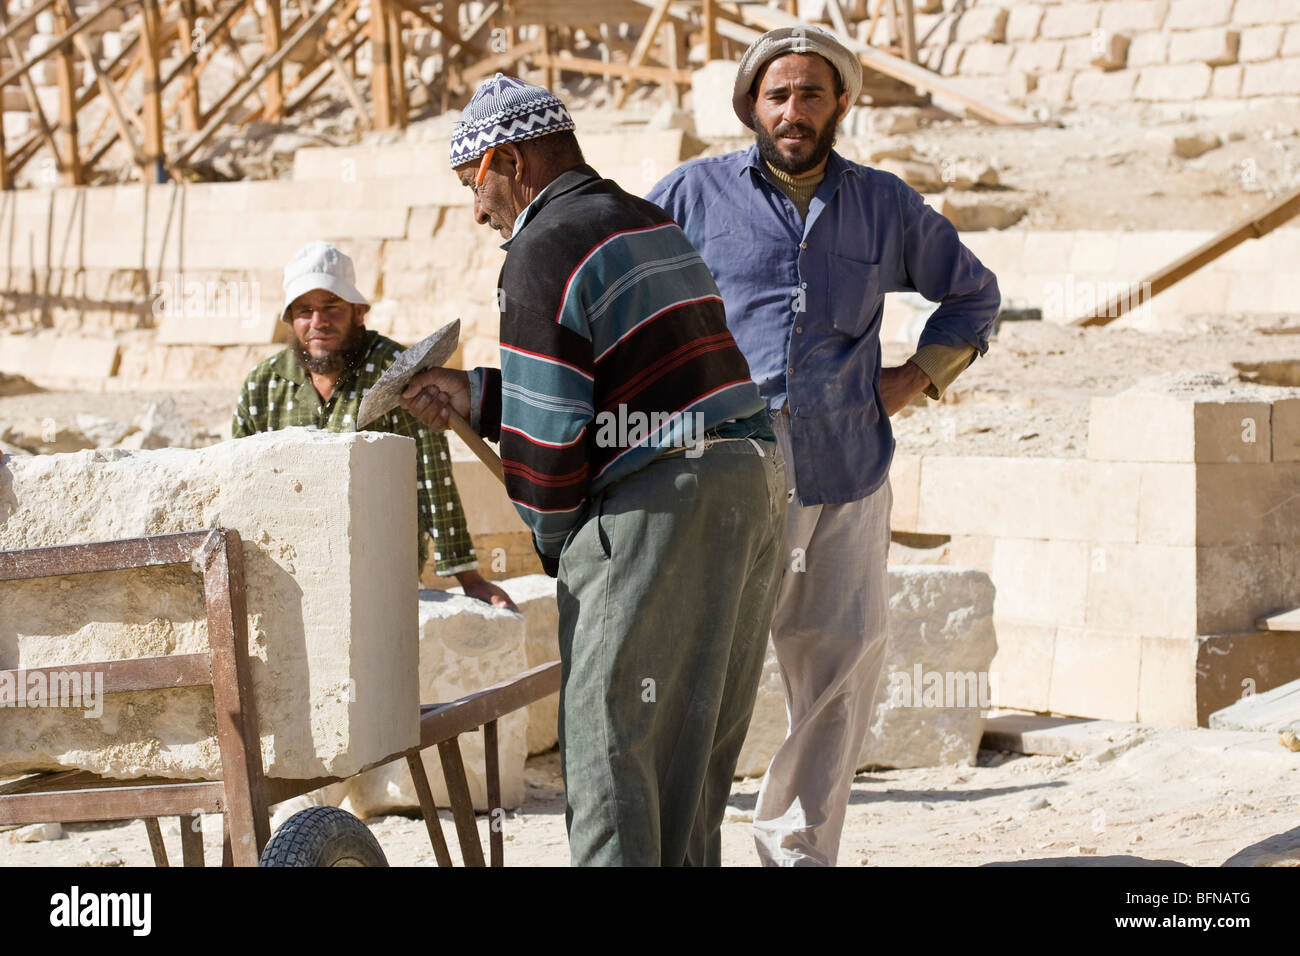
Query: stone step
[1059, 736]
[1273, 711]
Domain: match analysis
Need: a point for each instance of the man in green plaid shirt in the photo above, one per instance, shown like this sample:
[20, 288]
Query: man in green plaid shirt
[320, 381]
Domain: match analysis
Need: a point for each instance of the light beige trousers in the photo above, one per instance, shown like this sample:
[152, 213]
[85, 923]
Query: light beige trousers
[829, 633]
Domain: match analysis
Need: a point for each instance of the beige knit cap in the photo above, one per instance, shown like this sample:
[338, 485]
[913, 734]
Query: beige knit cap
[804, 39]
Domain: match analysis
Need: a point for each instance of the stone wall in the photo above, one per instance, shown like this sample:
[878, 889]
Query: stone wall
[1129, 582]
[1089, 52]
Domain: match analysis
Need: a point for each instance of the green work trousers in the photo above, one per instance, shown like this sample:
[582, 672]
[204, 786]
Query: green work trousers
[666, 590]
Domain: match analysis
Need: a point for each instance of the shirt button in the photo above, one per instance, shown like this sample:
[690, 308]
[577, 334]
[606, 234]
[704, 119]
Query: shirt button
[798, 328]
[803, 285]
[803, 245]
[790, 370]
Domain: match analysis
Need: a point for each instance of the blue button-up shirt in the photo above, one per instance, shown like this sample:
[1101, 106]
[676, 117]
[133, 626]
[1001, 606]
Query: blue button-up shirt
[804, 298]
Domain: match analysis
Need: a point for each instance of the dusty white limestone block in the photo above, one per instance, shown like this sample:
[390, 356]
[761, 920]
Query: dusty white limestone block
[329, 562]
[465, 646]
[940, 620]
[534, 594]
[711, 87]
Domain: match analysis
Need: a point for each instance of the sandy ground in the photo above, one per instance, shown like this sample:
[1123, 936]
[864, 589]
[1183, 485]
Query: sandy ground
[1170, 796]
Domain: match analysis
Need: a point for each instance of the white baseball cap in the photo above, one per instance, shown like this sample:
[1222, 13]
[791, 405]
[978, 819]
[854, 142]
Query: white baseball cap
[318, 265]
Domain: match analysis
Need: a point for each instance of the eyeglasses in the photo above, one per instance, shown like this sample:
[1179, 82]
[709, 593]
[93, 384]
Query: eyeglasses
[482, 169]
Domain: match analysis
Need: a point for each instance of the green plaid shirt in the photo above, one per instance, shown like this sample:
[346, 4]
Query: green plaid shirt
[279, 393]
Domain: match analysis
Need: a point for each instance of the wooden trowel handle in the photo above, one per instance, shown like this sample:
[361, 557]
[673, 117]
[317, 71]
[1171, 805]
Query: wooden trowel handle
[477, 445]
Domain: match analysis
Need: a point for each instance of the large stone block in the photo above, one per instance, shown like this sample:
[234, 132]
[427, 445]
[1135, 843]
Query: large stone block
[1216, 46]
[1266, 11]
[1044, 581]
[1275, 78]
[985, 59]
[1148, 49]
[905, 482]
[1107, 87]
[1272, 711]
[1248, 504]
[1023, 664]
[940, 622]
[1023, 22]
[1069, 499]
[1142, 589]
[325, 521]
[1095, 674]
[1180, 81]
[1260, 43]
[1133, 16]
[711, 101]
[1188, 14]
[465, 646]
[982, 24]
[935, 685]
[534, 595]
[1070, 20]
[1200, 424]
[1285, 429]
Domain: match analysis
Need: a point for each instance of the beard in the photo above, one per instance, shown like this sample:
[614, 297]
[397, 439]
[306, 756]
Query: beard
[345, 356]
[793, 166]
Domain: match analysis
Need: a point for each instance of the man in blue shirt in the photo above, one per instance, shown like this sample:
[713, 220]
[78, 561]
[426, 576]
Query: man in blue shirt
[804, 245]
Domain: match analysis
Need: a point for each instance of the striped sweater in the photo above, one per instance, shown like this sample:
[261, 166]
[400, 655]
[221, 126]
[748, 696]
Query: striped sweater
[614, 347]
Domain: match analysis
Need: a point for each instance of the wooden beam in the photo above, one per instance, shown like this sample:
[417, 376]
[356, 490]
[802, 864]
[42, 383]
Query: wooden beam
[381, 77]
[397, 63]
[451, 33]
[31, 146]
[7, 30]
[499, 61]
[340, 72]
[642, 47]
[69, 158]
[152, 170]
[195, 62]
[709, 20]
[60, 42]
[249, 85]
[1252, 227]
[116, 108]
[272, 37]
[29, 87]
[189, 98]
[578, 64]
[915, 76]
[347, 47]
[908, 17]
[6, 177]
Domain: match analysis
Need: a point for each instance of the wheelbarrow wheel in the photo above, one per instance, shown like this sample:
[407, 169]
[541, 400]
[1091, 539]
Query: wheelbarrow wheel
[323, 836]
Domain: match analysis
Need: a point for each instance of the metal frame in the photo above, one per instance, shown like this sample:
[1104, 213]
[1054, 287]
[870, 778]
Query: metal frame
[244, 794]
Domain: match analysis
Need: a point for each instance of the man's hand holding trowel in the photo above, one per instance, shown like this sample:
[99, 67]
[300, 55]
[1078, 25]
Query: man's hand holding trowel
[434, 394]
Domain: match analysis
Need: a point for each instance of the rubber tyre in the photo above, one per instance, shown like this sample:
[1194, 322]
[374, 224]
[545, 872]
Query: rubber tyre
[323, 836]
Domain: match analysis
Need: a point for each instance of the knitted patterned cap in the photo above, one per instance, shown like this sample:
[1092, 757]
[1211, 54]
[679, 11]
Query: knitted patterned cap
[505, 109]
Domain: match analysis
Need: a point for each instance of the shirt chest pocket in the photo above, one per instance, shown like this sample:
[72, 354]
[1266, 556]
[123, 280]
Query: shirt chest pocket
[854, 293]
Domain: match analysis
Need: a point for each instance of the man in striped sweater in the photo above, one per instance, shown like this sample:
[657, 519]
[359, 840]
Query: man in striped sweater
[636, 447]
